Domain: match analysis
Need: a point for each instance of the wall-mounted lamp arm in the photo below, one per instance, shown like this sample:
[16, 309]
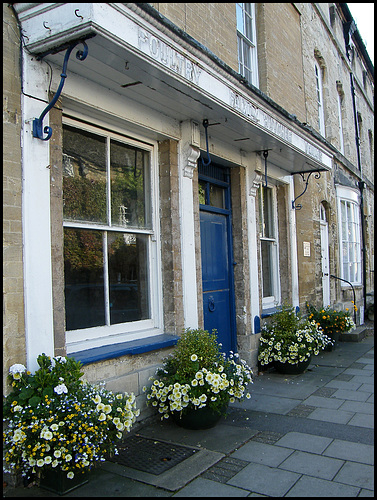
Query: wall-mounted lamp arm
[38, 129]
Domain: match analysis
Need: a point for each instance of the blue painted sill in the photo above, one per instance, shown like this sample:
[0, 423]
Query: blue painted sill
[124, 348]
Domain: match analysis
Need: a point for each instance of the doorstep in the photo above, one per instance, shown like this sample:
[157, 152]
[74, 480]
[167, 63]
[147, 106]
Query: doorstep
[356, 335]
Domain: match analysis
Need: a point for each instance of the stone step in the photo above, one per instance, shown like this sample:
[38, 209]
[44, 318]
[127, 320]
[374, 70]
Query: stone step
[355, 335]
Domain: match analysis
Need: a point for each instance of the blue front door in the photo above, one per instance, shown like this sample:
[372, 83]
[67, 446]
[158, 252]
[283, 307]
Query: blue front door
[217, 262]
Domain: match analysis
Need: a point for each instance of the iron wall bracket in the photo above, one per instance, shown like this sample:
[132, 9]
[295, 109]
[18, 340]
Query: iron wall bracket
[316, 176]
[38, 129]
[206, 124]
[264, 152]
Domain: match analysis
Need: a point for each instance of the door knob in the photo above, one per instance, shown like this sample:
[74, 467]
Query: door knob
[211, 303]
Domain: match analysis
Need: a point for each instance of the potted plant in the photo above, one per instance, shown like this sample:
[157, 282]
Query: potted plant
[196, 382]
[332, 322]
[288, 341]
[57, 426]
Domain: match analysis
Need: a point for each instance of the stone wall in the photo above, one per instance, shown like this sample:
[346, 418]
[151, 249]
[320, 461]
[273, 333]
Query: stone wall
[14, 349]
[170, 237]
[279, 56]
[199, 19]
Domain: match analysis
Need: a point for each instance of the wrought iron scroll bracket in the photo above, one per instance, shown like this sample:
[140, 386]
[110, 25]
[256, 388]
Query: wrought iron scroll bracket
[38, 129]
[206, 124]
[265, 155]
[316, 176]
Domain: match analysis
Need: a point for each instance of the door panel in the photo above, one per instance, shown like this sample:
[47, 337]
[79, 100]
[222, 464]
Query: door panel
[217, 294]
[215, 249]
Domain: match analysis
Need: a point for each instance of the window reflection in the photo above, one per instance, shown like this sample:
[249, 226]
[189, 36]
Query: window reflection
[128, 277]
[84, 283]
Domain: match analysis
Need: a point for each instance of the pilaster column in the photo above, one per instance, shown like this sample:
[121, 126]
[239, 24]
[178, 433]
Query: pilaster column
[255, 180]
[189, 154]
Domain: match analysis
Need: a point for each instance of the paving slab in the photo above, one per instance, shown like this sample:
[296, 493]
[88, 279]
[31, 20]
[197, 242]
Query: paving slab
[366, 493]
[329, 415]
[366, 359]
[363, 379]
[206, 488]
[362, 420]
[259, 478]
[351, 395]
[356, 475]
[290, 386]
[358, 407]
[368, 368]
[312, 465]
[354, 452]
[340, 384]
[304, 442]
[366, 387]
[370, 399]
[261, 453]
[308, 486]
[364, 372]
[320, 402]
[273, 404]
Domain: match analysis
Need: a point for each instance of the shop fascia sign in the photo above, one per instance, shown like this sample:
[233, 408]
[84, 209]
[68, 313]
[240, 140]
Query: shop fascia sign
[175, 61]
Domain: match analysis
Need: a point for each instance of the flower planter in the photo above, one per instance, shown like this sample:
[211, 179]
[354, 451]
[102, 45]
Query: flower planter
[335, 338]
[288, 369]
[56, 480]
[202, 418]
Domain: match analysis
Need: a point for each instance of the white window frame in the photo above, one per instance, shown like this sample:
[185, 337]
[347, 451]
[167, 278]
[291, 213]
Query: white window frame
[350, 196]
[340, 121]
[88, 338]
[319, 94]
[244, 43]
[274, 299]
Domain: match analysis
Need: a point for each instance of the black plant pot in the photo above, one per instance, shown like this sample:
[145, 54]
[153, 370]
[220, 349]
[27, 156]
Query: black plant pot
[289, 369]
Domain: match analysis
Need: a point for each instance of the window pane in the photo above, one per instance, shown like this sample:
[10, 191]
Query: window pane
[266, 247]
[216, 196]
[128, 277]
[268, 221]
[239, 13]
[247, 55]
[248, 24]
[202, 193]
[130, 186]
[84, 281]
[84, 176]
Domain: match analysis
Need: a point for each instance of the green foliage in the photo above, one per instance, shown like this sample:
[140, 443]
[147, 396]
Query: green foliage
[54, 419]
[84, 199]
[331, 320]
[196, 375]
[290, 338]
[31, 389]
[201, 343]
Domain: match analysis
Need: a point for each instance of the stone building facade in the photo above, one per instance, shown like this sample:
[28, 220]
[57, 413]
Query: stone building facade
[204, 164]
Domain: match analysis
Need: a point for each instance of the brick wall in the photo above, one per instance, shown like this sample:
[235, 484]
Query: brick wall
[14, 350]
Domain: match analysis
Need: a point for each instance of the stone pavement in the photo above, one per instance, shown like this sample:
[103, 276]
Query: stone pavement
[309, 435]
